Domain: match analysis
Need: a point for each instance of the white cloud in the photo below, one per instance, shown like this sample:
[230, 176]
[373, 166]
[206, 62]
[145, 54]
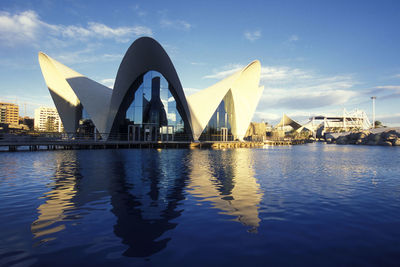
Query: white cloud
[176, 24]
[252, 36]
[390, 87]
[296, 90]
[266, 116]
[304, 98]
[279, 73]
[224, 72]
[26, 27]
[190, 91]
[268, 73]
[139, 11]
[293, 38]
[19, 27]
[85, 56]
[396, 76]
[101, 31]
[385, 91]
[198, 63]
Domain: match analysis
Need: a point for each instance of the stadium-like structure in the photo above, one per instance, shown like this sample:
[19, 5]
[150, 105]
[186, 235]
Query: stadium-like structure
[148, 102]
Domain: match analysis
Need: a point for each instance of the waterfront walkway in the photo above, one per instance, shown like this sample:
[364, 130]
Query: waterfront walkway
[91, 144]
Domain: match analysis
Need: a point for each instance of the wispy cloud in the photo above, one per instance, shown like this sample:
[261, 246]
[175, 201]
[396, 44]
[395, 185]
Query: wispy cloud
[86, 55]
[385, 91]
[268, 73]
[293, 38]
[176, 24]
[252, 35]
[389, 87]
[296, 89]
[139, 11]
[266, 116]
[198, 63]
[305, 98]
[26, 27]
[190, 91]
[20, 27]
[225, 71]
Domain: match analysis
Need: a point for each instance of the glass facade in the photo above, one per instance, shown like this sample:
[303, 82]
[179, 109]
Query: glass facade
[154, 109]
[86, 126]
[219, 127]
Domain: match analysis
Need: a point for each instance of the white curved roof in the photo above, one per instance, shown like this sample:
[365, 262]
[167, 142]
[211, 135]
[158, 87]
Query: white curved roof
[243, 90]
[75, 89]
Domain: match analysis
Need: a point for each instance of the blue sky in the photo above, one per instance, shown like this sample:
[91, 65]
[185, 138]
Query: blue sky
[317, 57]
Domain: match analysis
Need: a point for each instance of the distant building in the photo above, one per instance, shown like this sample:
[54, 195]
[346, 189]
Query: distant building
[28, 122]
[347, 121]
[47, 120]
[256, 131]
[9, 113]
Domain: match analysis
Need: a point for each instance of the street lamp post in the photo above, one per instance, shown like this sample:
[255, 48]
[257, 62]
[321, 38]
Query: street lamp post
[373, 111]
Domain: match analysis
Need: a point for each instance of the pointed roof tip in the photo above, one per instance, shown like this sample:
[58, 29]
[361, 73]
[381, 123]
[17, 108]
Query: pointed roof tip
[42, 55]
[255, 62]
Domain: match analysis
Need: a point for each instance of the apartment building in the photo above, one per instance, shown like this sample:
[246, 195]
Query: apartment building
[9, 113]
[47, 120]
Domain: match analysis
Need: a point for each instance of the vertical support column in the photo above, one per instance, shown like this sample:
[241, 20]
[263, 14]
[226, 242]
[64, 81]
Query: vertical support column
[373, 111]
[344, 119]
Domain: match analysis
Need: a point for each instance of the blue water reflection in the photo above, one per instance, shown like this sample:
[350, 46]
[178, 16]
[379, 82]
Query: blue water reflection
[303, 205]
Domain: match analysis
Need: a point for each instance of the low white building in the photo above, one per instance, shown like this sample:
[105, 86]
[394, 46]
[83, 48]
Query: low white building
[48, 120]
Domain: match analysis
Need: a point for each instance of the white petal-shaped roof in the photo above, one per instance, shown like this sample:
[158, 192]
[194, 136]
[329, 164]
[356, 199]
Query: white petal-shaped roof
[242, 87]
[76, 89]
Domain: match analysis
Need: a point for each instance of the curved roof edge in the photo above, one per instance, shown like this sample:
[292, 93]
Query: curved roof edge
[64, 98]
[245, 93]
[146, 54]
[76, 89]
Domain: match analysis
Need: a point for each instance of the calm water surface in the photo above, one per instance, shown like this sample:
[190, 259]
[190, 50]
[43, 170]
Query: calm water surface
[303, 205]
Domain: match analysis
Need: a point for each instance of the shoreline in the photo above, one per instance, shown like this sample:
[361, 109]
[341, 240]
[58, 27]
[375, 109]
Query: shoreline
[373, 137]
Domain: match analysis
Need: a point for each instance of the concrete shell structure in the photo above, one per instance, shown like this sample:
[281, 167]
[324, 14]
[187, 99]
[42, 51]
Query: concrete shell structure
[286, 121]
[72, 92]
[242, 93]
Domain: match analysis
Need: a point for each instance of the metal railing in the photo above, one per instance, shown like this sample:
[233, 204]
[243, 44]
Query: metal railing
[79, 137]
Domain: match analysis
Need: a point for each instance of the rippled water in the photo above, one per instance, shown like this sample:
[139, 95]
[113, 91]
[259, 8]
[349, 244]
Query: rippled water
[303, 205]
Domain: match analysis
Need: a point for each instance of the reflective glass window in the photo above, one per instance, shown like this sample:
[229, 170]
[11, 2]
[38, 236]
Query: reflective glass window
[160, 112]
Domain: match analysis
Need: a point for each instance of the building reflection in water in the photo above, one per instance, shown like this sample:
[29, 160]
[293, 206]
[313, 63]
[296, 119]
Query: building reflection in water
[145, 198]
[226, 179]
[52, 212]
[144, 188]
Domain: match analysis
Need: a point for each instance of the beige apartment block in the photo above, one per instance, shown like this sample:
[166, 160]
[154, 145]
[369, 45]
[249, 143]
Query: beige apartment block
[9, 113]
